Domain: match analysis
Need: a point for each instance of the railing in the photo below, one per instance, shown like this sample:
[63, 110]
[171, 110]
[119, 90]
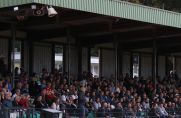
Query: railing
[19, 113]
[122, 113]
[74, 113]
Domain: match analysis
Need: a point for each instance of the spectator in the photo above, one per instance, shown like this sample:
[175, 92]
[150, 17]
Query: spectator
[162, 112]
[118, 111]
[81, 102]
[7, 103]
[56, 104]
[39, 103]
[97, 104]
[16, 101]
[17, 93]
[103, 111]
[24, 101]
[50, 95]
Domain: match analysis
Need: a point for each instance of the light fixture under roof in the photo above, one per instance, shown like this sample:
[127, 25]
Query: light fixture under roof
[16, 8]
[51, 11]
[33, 7]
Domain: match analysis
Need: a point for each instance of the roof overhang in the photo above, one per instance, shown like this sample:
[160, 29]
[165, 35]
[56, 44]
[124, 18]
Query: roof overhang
[98, 22]
[116, 8]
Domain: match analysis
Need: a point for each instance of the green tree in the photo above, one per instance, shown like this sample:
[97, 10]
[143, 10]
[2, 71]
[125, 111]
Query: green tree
[173, 4]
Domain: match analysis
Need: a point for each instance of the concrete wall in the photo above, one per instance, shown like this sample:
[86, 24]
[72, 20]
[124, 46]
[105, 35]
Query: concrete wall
[161, 66]
[146, 65]
[108, 63]
[4, 49]
[126, 63]
[42, 57]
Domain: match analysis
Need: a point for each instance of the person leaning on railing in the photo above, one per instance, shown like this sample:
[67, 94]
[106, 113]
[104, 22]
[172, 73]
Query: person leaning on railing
[7, 103]
[39, 103]
[24, 101]
[49, 95]
[16, 102]
[118, 111]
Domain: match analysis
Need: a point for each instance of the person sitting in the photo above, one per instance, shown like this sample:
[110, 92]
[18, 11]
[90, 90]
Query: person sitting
[24, 101]
[118, 111]
[162, 112]
[16, 101]
[39, 103]
[97, 104]
[56, 104]
[17, 93]
[49, 95]
[103, 111]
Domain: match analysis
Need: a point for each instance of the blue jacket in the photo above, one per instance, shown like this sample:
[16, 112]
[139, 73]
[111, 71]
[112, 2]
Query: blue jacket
[7, 104]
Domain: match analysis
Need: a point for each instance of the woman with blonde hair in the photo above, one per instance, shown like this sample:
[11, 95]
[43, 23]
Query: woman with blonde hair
[56, 104]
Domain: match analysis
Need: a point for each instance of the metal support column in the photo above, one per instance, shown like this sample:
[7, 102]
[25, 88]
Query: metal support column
[120, 60]
[68, 56]
[131, 64]
[30, 54]
[89, 60]
[9, 55]
[116, 59]
[13, 34]
[79, 53]
[22, 54]
[155, 63]
[174, 60]
[53, 58]
[64, 58]
[100, 62]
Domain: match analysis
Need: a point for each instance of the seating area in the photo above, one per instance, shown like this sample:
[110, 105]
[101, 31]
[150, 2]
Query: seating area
[79, 96]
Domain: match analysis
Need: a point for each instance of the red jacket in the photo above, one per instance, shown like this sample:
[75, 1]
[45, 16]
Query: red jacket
[24, 103]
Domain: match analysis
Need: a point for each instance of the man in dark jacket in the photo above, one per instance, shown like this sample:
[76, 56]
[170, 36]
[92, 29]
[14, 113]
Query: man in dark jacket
[81, 102]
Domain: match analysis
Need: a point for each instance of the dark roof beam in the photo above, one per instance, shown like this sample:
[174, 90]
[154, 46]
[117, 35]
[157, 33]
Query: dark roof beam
[47, 34]
[169, 50]
[117, 31]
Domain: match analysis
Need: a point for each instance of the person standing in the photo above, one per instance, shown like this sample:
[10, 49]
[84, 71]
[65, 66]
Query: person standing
[81, 102]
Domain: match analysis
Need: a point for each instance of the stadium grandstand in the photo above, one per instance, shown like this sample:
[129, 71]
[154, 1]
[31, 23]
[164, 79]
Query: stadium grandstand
[89, 59]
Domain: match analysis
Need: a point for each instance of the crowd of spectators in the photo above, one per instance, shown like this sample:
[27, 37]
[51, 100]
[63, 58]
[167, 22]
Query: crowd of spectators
[129, 97]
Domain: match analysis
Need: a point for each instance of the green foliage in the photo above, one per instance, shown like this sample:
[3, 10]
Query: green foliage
[172, 4]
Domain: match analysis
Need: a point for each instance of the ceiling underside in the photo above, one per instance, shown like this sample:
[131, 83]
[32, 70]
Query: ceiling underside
[90, 29]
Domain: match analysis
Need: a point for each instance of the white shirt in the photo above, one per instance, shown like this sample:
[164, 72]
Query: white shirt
[97, 105]
[55, 106]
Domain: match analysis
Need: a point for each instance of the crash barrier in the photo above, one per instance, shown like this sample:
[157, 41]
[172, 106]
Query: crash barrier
[89, 113]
